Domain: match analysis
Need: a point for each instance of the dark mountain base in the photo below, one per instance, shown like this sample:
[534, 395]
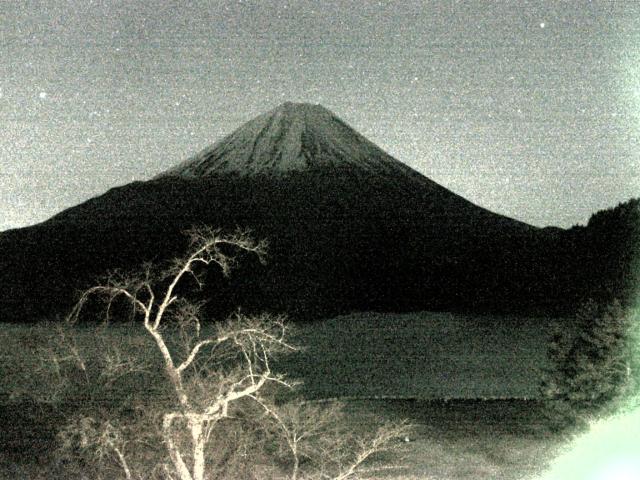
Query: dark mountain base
[340, 240]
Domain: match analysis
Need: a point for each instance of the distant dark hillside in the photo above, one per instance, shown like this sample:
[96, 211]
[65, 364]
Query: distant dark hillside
[338, 242]
[349, 227]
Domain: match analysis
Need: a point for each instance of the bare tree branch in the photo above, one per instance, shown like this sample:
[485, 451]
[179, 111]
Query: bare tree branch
[209, 376]
[194, 353]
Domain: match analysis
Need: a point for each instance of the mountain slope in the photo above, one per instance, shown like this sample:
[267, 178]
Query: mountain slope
[350, 228]
[292, 137]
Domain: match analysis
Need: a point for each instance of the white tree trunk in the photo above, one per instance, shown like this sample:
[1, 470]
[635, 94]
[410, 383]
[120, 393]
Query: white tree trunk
[123, 463]
[174, 451]
[296, 462]
[198, 439]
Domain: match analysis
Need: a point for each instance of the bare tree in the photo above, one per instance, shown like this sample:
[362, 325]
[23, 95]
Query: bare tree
[318, 435]
[199, 405]
[210, 377]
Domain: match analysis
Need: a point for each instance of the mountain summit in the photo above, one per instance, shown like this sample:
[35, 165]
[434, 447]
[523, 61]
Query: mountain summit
[291, 137]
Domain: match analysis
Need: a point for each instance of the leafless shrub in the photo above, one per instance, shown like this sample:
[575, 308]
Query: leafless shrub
[217, 417]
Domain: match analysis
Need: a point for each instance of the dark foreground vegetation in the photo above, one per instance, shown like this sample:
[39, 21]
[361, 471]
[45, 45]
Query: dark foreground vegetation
[447, 440]
[462, 440]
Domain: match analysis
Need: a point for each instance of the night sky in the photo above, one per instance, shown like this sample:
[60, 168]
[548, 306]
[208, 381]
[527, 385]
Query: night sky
[530, 109]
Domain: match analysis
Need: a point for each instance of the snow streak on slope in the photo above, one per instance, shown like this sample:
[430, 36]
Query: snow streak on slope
[292, 137]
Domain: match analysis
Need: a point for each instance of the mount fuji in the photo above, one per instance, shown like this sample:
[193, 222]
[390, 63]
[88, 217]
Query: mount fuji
[350, 228]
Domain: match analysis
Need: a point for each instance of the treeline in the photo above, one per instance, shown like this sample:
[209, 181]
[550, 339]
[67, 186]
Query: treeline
[597, 262]
[609, 253]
